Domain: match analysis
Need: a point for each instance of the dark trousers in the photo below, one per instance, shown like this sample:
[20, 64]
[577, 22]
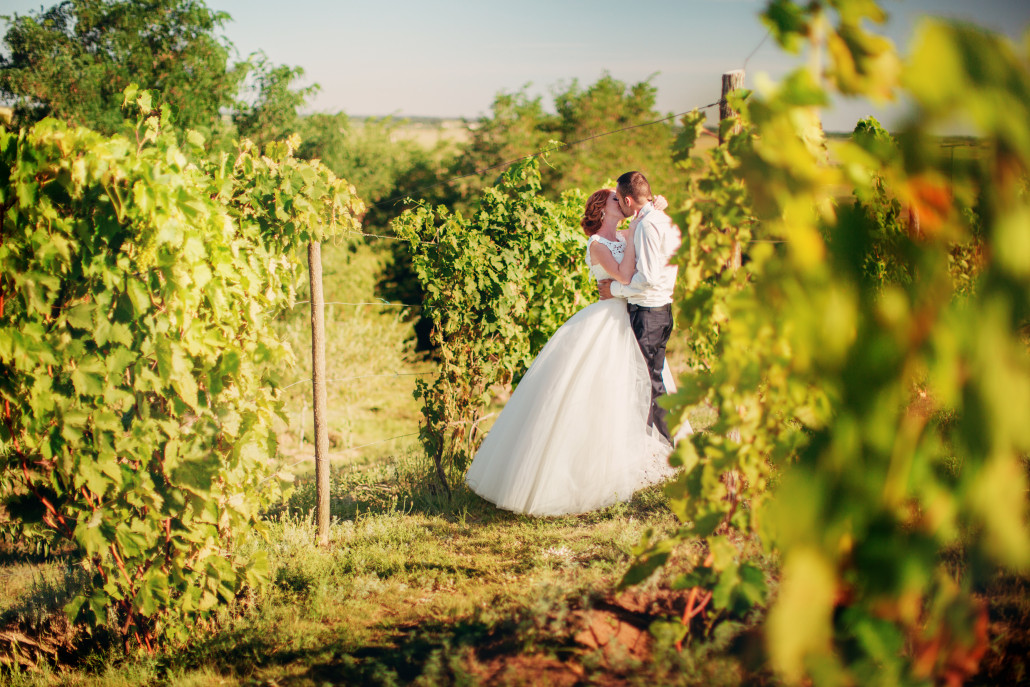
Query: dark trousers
[652, 327]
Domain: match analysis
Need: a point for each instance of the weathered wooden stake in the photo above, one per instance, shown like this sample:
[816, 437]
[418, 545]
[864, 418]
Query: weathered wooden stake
[731, 81]
[321, 430]
[303, 412]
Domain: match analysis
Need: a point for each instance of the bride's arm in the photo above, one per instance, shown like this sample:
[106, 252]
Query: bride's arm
[623, 272]
[629, 260]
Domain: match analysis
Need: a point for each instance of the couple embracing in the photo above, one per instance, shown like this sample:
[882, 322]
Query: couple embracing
[583, 428]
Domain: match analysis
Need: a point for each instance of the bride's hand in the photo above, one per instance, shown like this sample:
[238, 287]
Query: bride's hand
[659, 203]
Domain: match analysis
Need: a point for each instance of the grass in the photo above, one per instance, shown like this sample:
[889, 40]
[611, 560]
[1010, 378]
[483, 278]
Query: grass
[414, 588]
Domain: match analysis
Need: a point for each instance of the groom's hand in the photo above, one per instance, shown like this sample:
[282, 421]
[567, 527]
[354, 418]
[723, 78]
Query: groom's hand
[604, 289]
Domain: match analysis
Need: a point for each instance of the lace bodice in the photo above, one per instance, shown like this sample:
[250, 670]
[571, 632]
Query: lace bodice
[618, 249]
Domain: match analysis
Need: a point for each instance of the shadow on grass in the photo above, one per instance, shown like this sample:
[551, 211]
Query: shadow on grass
[524, 646]
[407, 484]
[33, 626]
[436, 651]
[15, 555]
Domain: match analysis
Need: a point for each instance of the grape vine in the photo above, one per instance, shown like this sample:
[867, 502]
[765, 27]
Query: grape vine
[497, 284]
[138, 280]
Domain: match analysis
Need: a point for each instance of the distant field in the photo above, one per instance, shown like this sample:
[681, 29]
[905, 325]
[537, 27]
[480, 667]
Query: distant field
[428, 132]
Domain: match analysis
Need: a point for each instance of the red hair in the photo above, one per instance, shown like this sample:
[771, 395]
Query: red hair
[593, 213]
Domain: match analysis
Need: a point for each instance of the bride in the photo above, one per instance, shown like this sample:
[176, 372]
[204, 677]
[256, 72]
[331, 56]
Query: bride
[573, 437]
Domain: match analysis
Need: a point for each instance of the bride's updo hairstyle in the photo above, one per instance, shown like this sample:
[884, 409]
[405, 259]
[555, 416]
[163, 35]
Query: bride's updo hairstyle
[593, 214]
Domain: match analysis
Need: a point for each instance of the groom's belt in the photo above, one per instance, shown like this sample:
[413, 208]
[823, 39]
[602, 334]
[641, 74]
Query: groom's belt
[633, 307]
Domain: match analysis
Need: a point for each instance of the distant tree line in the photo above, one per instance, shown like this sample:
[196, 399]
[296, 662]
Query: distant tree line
[72, 60]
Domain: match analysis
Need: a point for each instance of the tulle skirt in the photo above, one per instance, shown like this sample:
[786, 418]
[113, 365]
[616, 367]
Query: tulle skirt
[573, 437]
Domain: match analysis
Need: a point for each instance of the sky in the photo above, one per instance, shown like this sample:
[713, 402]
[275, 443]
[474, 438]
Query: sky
[449, 58]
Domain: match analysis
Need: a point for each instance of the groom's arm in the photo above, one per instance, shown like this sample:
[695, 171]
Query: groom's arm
[649, 262]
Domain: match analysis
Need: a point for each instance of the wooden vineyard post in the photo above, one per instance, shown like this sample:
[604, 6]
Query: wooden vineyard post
[321, 430]
[731, 81]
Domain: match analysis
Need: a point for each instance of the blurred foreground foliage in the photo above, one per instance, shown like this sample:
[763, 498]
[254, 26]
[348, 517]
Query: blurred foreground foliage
[869, 361]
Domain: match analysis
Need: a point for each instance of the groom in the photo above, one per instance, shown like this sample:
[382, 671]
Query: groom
[649, 293]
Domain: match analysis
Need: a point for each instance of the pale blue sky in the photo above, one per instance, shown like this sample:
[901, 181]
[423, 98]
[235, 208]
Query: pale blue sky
[450, 57]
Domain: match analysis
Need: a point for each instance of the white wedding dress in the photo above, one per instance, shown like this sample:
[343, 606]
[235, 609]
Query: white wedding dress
[573, 437]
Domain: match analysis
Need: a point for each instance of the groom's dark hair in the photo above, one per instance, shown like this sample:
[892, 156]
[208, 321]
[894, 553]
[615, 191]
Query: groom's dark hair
[634, 184]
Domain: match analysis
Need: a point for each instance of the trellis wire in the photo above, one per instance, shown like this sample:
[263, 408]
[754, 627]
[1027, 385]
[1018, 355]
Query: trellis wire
[349, 448]
[347, 379]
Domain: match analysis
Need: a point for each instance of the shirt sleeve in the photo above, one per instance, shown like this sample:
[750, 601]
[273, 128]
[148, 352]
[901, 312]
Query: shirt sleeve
[649, 262]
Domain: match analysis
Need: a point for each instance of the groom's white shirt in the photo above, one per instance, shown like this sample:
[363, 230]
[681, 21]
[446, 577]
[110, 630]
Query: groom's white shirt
[656, 240]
